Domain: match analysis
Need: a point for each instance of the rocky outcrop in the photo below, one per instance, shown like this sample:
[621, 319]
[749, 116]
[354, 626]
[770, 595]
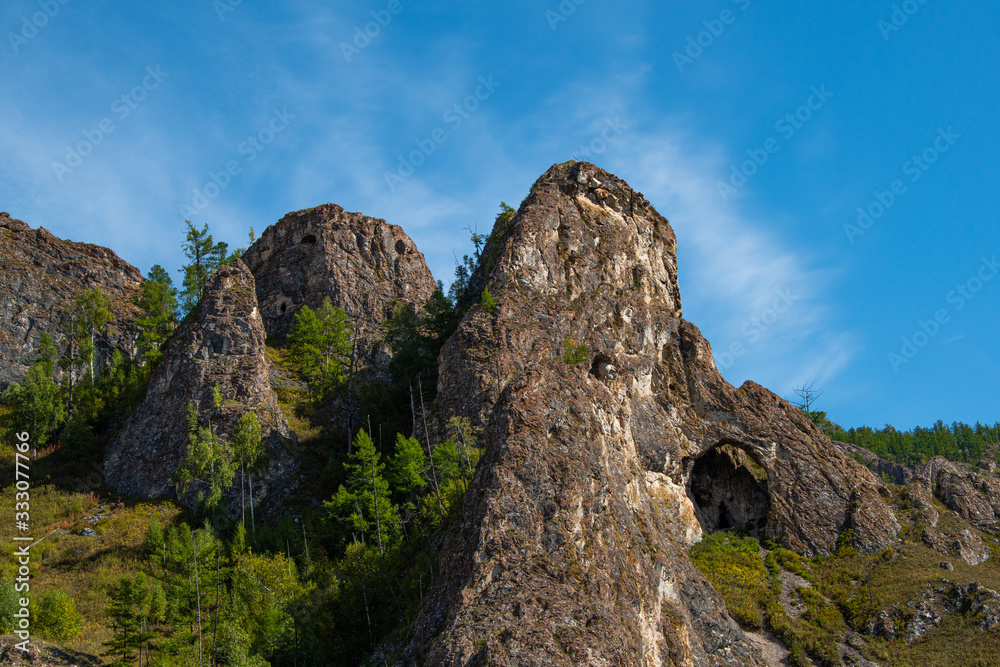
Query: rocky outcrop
[362, 264]
[572, 545]
[40, 275]
[922, 615]
[971, 494]
[897, 472]
[224, 346]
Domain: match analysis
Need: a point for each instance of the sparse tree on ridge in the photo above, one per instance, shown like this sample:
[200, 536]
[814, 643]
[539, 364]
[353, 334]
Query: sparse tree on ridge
[205, 256]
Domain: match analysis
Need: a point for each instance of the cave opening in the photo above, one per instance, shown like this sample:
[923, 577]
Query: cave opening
[729, 490]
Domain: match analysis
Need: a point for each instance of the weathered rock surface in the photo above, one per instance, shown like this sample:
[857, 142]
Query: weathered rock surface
[929, 610]
[223, 345]
[362, 264]
[898, 473]
[971, 494]
[572, 546]
[40, 275]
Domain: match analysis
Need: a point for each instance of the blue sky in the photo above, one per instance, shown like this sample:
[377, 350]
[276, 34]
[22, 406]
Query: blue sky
[758, 129]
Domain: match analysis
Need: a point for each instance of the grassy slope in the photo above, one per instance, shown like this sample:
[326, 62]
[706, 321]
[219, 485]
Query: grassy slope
[63, 498]
[746, 577]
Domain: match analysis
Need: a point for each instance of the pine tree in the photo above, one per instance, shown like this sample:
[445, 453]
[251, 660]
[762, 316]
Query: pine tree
[320, 345]
[35, 405]
[126, 612]
[209, 462]
[92, 310]
[158, 302]
[247, 449]
[88, 313]
[488, 302]
[204, 256]
[364, 502]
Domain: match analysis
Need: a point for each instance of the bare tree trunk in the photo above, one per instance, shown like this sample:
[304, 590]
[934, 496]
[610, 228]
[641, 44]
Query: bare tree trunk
[69, 369]
[93, 352]
[430, 449]
[413, 411]
[350, 387]
[243, 494]
[253, 523]
[378, 525]
[197, 594]
[218, 567]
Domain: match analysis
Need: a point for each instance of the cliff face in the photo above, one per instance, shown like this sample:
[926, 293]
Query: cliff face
[598, 476]
[362, 264]
[39, 277]
[223, 345]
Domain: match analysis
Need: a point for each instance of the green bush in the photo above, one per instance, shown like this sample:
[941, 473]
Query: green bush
[8, 606]
[56, 616]
[573, 353]
[489, 303]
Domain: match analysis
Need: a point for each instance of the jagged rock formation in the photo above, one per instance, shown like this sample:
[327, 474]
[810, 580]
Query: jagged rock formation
[572, 545]
[972, 495]
[223, 345]
[362, 264]
[929, 610]
[897, 472]
[40, 275]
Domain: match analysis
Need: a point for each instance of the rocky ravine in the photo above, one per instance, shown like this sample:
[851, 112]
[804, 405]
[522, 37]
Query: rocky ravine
[40, 275]
[223, 345]
[598, 476]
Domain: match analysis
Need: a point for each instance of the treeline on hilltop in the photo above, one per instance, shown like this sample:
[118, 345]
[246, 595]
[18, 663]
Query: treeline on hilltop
[956, 442]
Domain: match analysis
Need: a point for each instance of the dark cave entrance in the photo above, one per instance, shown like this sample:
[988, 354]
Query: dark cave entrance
[729, 490]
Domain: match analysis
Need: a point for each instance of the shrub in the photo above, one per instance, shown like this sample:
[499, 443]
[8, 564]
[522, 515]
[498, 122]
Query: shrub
[8, 606]
[573, 353]
[56, 616]
[489, 303]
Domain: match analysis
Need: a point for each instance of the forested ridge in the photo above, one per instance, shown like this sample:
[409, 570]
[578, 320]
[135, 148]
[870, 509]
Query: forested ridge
[957, 441]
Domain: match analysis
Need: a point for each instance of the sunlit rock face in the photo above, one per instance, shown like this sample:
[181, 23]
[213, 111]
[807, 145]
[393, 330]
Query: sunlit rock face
[363, 265]
[597, 477]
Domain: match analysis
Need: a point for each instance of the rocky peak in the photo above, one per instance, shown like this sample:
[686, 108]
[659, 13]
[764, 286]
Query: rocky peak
[362, 264]
[223, 345]
[612, 444]
[40, 275]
